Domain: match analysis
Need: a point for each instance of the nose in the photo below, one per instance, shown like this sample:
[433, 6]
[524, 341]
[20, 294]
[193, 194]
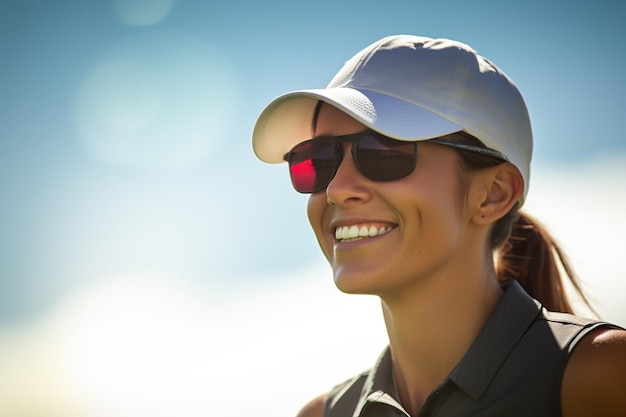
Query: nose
[348, 186]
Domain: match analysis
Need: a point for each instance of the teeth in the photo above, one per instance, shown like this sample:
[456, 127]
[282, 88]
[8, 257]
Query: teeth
[351, 233]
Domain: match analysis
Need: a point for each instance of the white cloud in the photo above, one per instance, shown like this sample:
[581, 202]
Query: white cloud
[144, 346]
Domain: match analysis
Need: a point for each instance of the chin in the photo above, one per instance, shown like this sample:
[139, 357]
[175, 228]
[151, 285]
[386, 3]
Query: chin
[354, 283]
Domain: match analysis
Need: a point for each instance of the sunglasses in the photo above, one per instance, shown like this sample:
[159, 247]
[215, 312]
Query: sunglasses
[314, 163]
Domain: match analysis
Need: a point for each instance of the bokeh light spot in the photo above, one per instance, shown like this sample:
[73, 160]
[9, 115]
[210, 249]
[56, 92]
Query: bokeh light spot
[142, 12]
[159, 104]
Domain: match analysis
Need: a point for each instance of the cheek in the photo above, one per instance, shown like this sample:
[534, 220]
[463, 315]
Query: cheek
[316, 208]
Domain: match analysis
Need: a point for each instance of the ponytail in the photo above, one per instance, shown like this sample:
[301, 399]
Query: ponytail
[531, 257]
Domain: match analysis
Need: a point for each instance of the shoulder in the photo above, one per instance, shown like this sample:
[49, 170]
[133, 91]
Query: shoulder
[595, 376]
[315, 407]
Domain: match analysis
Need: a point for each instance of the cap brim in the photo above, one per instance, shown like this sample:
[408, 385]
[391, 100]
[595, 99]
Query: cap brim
[287, 120]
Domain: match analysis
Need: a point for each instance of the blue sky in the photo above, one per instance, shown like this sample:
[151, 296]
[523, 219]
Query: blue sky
[126, 126]
[125, 131]
[126, 145]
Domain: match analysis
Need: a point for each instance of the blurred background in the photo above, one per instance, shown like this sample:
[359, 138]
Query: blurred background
[150, 265]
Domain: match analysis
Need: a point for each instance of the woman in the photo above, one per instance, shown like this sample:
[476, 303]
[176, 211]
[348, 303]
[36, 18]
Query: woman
[417, 159]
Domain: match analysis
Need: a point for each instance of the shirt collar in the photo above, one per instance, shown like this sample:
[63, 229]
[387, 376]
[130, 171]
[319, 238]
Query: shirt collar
[379, 386]
[513, 315]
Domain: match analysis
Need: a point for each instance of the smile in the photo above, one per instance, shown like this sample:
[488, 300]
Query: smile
[354, 232]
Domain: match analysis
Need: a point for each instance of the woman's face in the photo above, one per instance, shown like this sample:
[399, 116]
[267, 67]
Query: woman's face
[422, 225]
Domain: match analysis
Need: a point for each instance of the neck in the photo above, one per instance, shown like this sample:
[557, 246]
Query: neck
[431, 326]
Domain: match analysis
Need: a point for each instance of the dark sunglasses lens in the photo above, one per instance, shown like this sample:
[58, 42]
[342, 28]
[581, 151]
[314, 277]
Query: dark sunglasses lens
[312, 165]
[384, 159]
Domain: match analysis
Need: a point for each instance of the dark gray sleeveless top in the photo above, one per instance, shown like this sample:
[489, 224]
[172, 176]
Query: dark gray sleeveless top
[513, 368]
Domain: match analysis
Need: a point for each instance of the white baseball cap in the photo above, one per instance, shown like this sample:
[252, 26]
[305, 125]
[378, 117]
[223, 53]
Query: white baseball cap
[410, 88]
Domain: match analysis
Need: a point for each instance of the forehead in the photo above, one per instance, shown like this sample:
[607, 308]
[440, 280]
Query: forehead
[334, 122]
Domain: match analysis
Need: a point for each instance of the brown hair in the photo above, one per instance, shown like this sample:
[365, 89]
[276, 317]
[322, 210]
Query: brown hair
[532, 257]
[524, 250]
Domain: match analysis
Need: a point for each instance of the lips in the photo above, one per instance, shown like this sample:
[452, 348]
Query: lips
[350, 233]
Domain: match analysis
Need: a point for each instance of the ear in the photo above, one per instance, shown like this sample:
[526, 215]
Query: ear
[497, 190]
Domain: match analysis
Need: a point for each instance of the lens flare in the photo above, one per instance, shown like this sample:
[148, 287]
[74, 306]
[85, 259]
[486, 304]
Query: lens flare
[162, 104]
